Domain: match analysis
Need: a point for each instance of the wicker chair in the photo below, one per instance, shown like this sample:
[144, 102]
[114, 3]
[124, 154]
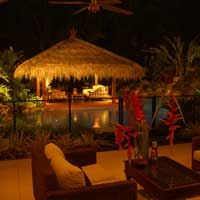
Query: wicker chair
[195, 146]
[46, 187]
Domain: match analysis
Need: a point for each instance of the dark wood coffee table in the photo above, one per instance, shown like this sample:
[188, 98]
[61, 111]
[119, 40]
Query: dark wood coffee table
[165, 178]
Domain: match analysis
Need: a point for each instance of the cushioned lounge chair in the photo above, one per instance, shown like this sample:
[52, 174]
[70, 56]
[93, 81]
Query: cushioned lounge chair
[196, 153]
[46, 187]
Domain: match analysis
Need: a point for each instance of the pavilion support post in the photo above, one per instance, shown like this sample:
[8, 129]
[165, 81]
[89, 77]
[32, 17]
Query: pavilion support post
[44, 92]
[120, 109]
[96, 79]
[70, 92]
[37, 87]
[114, 93]
[70, 112]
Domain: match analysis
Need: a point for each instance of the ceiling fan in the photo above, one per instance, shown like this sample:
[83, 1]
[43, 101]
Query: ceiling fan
[3, 1]
[96, 5]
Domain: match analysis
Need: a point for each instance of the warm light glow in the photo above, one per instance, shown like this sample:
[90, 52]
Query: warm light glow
[105, 116]
[96, 90]
[96, 123]
[75, 117]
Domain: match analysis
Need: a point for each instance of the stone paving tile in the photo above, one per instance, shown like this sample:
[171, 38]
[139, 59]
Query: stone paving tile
[9, 181]
[16, 180]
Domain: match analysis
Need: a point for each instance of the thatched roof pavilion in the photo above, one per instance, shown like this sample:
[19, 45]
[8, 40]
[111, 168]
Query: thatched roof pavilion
[78, 58]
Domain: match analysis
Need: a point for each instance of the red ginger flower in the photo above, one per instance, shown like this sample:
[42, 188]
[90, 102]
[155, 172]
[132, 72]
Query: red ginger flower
[135, 117]
[137, 108]
[171, 118]
[124, 132]
[119, 134]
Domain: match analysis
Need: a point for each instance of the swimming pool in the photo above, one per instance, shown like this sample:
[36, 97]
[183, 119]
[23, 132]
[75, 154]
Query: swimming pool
[92, 117]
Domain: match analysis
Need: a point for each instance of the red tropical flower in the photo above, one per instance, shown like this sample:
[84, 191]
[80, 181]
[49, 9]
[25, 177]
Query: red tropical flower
[136, 117]
[137, 108]
[171, 118]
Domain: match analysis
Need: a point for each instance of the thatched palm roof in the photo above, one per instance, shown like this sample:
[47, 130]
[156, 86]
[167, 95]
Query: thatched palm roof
[78, 58]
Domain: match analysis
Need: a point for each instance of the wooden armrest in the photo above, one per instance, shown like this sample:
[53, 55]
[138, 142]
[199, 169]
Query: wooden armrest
[119, 190]
[195, 143]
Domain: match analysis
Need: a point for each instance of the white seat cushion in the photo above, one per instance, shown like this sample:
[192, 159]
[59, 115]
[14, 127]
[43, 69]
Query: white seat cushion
[98, 175]
[69, 176]
[196, 155]
[51, 150]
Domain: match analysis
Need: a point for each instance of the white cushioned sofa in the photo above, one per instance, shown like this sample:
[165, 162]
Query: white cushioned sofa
[196, 153]
[47, 185]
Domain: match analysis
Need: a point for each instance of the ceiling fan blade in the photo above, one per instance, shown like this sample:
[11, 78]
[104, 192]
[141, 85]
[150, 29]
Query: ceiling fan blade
[81, 10]
[69, 2]
[109, 2]
[116, 10]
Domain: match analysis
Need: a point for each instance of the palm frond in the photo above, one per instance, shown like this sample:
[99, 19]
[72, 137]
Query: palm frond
[176, 49]
[64, 141]
[87, 139]
[193, 52]
[160, 105]
[166, 52]
[179, 109]
[5, 91]
[3, 76]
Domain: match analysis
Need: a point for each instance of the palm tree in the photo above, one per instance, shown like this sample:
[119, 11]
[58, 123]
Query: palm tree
[173, 52]
[4, 89]
[193, 54]
[9, 60]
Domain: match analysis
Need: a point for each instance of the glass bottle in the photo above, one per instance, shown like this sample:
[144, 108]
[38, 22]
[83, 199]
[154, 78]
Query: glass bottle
[154, 150]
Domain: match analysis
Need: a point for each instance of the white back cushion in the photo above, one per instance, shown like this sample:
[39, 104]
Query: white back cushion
[51, 150]
[196, 155]
[69, 176]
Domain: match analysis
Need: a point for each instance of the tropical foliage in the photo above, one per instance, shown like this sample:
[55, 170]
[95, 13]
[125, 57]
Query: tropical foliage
[173, 62]
[17, 144]
[10, 88]
[171, 118]
[135, 135]
[4, 89]
[175, 57]
[9, 60]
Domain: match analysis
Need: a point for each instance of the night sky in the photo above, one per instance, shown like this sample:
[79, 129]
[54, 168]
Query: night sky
[34, 25]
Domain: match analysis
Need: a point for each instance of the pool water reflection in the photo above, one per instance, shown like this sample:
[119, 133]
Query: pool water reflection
[93, 117]
[88, 118]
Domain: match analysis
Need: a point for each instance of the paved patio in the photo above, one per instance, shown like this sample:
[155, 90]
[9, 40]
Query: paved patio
[16, 180]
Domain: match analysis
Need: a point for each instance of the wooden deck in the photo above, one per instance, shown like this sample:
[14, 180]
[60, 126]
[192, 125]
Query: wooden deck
[16, 178]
